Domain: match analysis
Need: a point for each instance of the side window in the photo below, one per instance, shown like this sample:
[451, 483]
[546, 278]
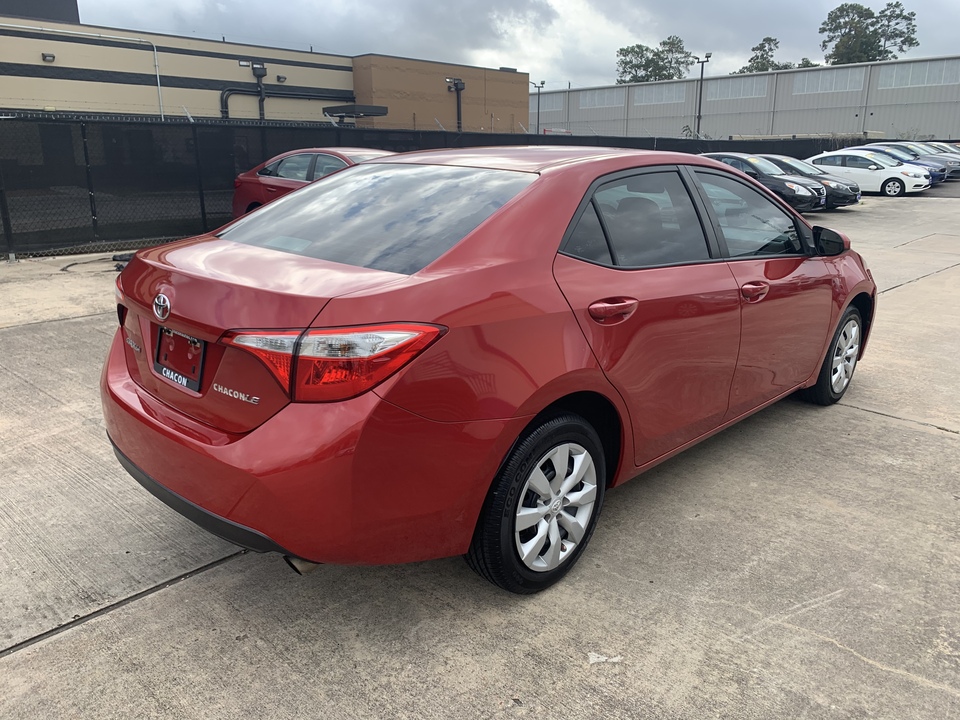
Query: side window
[855, 161]
[651, 221]
[751, 224]
[294, 167]
[327, 164]
[270, 170]
[587, 240]
[833, 160]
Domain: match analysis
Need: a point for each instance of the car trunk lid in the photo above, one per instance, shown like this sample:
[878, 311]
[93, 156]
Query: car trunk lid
[180, 300]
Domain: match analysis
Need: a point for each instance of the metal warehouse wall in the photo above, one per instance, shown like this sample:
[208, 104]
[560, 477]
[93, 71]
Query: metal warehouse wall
[901, 98]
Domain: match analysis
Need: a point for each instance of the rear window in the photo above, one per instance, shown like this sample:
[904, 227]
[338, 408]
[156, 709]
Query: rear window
[397, 218]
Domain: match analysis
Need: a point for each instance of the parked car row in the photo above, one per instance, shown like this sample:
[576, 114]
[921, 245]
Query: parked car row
[823, 182]
[837, 178]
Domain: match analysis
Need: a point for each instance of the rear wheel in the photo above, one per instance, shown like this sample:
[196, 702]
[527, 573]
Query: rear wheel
[542, 508]
[893, 188]
[837, 369]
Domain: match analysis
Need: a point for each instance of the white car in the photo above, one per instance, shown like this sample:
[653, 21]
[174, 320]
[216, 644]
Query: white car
[874, 172]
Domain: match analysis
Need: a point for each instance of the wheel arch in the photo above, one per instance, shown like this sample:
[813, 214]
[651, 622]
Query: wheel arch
[865, 304]
[602, 414]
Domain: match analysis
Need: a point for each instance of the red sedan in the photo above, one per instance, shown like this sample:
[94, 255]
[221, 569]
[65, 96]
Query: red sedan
[291, 171]
[458, 352]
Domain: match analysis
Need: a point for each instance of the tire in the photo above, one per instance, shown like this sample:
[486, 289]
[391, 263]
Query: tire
[529, 487]
[893, 188]
[252, 206]
[840, 362]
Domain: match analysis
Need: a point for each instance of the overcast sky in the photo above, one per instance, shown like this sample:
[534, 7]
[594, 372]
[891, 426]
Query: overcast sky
[559, 41]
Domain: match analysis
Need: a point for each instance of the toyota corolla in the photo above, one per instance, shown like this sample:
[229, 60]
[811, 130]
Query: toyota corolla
[459, 352]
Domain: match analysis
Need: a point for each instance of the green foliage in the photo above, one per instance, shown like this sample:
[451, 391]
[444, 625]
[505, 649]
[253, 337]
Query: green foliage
[762, 58]
[898, 30]
[854, 33]
[807, 62]
[640, 63]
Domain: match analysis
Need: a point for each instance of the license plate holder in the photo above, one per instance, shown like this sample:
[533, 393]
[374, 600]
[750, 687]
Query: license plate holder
[179, 358]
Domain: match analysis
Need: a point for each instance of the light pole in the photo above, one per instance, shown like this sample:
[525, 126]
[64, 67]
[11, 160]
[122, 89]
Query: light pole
[457, 85]
[539, 88]
[701, 63]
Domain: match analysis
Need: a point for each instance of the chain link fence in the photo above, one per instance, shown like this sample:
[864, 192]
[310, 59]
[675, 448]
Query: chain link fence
[71, 185]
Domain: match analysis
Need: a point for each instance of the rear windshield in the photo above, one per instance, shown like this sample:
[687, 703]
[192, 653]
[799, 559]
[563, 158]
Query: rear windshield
[397, 218]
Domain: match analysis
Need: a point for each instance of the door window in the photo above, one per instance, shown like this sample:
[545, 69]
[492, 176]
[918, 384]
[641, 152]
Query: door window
[327, 164]
[861, 163]
[738, 164]
[587, 241]
[832, 160]
[751, 224]
[651, 220]
[294, 167]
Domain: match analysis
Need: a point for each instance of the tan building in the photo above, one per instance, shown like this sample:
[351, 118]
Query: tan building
[417, 95]
[62, 67]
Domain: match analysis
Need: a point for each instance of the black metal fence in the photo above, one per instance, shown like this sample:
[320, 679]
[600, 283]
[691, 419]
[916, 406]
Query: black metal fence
[69, 186]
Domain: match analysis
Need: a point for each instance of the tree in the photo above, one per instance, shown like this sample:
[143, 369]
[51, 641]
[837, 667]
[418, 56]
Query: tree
[762, 58]
[641, 63]
[851, 29]
[898, 30]
[807, 63]
[857, 34]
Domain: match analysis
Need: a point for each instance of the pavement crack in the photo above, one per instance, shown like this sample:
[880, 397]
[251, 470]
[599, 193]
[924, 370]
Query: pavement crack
[117, 605]
[942, 428]
[799, 608]
[919, 679]
[918, 279]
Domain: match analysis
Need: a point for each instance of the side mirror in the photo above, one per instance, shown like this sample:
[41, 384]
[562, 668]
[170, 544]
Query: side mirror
[829, 242]
[752, 173]
[873, 167]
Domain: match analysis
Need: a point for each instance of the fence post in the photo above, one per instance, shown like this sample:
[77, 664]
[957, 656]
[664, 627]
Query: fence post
[196, 158]
[5, 218]
[93, 199]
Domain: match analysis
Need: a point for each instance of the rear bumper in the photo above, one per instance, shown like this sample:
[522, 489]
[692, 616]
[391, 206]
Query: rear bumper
[229, 531]
[357, 482]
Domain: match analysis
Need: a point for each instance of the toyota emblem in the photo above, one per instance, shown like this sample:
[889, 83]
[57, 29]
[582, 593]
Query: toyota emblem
[161, 307]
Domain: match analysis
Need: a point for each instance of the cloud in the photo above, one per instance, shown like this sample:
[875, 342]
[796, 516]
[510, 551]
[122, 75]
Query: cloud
[560, 41]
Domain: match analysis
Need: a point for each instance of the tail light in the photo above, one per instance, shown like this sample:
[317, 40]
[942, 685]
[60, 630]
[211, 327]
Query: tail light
[121, 308]
[236, 182]
[327, 365]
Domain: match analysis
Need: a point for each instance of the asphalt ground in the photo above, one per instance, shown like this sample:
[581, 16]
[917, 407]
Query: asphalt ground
[802, 564]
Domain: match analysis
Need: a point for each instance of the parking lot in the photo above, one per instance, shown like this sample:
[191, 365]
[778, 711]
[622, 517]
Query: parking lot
[803, 564]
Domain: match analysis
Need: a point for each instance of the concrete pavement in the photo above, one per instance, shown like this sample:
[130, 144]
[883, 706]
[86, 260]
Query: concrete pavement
[803, 564]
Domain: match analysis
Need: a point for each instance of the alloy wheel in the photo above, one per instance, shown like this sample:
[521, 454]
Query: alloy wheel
[556, 505]
[845, 355]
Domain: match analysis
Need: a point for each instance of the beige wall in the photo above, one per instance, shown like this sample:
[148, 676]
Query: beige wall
[114, 96]
[89, 78]
[416, 94]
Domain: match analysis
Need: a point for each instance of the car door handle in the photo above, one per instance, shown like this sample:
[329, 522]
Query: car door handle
[271, 189]
[754, 291]
[610, 311]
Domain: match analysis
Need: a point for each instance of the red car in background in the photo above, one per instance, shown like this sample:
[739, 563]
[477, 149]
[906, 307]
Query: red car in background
[458, 351]
[291, 171]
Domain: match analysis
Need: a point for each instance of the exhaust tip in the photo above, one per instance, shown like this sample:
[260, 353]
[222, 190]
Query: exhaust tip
[299, 566]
